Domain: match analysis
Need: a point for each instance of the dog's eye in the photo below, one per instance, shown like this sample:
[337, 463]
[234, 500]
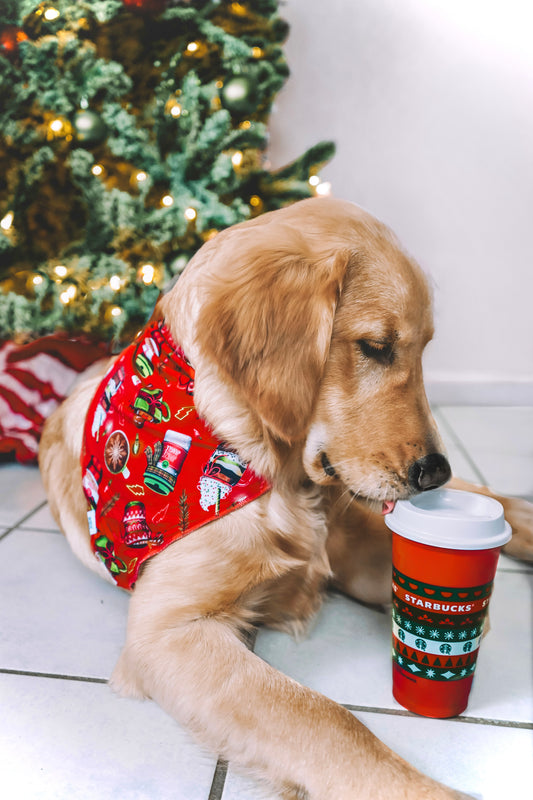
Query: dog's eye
[382, 352]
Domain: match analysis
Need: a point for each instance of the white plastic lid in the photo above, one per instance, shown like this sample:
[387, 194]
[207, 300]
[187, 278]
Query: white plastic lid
[452, 519]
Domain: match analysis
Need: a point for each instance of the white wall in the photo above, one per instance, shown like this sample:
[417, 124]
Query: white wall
[430, 103]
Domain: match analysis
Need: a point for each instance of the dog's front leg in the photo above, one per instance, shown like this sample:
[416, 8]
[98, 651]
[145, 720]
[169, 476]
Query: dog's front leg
[359, 549]
[302, 743]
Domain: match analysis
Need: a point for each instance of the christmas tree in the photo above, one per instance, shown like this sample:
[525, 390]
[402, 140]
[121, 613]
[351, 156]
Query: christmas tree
[131, 131]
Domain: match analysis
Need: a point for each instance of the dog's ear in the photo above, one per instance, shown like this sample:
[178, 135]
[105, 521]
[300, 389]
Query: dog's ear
[267, 321]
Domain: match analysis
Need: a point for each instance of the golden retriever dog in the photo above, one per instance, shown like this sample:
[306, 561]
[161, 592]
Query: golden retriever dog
[305, 328]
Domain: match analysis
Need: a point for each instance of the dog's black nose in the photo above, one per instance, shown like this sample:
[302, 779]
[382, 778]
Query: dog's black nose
[429, 472]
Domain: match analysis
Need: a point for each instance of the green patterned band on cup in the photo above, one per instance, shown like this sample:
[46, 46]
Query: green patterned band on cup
[441, 598]
[436, 630]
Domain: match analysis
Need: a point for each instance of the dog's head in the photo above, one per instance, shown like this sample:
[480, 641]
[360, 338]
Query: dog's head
[319, 319]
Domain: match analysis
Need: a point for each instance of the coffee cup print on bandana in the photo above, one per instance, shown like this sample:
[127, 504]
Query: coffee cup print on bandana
[149, 406]
[165, 461]
[147, 351]
[221, 473]
[116, 453]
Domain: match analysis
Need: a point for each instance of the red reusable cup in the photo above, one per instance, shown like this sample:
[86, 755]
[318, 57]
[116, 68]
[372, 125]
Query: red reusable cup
[445, 549]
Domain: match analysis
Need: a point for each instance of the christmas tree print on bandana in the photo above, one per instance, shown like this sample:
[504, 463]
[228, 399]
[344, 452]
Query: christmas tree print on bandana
[152, 469]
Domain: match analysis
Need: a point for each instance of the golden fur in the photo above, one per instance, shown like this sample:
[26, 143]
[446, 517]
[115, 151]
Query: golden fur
[306, 328]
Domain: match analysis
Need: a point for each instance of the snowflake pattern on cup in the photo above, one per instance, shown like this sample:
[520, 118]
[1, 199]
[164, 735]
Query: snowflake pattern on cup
[437, 630]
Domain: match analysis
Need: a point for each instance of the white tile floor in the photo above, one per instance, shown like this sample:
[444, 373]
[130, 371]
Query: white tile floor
[65, 736]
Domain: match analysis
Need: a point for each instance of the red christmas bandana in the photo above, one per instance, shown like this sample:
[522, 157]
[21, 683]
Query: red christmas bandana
[152, 469]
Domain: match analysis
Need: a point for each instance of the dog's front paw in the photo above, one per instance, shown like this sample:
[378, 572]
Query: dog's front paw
[519, 515]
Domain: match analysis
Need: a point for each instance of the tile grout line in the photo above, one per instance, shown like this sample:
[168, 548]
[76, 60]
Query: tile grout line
[348, 706]
[219, 780]
[221, 768]
[516, 570]
[19, 522]
[505, 723]
[459, 443]
[31, 529]
[52, 676]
